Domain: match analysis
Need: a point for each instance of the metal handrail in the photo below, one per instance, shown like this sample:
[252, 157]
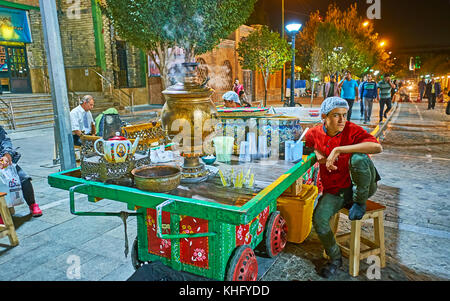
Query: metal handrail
[9, 114]
[111, 87]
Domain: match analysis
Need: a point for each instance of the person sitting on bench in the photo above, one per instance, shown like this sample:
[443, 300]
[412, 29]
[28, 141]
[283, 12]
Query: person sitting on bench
[81, 119]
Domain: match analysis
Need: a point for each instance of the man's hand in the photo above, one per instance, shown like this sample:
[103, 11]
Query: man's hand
[333, 158]
[5, 161]
[320, 157]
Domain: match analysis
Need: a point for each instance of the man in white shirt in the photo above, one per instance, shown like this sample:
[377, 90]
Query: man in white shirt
[81, 119]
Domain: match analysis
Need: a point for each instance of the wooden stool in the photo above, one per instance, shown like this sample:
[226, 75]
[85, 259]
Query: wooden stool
[8, 227]
[374, 211]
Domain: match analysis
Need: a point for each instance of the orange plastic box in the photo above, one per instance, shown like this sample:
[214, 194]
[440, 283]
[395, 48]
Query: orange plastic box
[298, 211]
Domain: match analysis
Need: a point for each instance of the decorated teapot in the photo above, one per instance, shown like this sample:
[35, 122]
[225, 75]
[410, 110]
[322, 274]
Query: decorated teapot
[117, 148]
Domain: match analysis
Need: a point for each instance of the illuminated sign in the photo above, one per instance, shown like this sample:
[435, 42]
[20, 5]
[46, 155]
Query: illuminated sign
[14, 25]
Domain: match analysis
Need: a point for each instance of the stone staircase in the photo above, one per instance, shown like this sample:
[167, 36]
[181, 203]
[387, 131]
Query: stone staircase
[30, 111]
[34, 111]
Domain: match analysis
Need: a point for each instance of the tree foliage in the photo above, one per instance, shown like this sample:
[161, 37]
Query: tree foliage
[342, 44]
[265, 51]
[156, 26]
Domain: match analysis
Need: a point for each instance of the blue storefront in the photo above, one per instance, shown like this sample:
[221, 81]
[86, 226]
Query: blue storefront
[15, 34]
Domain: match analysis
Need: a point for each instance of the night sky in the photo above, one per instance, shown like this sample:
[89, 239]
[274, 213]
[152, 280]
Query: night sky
[404, 23]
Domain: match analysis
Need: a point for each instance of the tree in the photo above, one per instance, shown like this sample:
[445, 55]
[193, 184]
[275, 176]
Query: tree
[157, 26]
[265, 51]
[342, 43]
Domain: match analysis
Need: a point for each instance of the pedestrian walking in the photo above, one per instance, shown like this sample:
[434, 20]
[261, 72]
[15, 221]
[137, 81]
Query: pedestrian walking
[349, 92]
[361, 101]
[237, 87]
[368, 93]
[331, 88]
[422, 85]
[348, 175]
[385, 87]
[433, 90]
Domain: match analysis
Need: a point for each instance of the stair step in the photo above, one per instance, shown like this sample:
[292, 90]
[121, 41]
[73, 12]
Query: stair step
[31, 105]
[34, 122]
[33, 127]
[33, 117]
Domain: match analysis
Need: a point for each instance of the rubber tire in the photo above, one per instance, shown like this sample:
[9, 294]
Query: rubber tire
[135, 256]
[236, 259]
[275, 217]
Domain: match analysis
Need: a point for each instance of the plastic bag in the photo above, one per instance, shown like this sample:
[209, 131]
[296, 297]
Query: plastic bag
[10, 183]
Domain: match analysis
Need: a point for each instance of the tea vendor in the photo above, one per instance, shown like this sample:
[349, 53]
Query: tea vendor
[347, 173]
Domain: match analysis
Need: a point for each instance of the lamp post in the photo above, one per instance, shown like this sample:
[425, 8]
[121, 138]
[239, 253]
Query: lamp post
[293, 30]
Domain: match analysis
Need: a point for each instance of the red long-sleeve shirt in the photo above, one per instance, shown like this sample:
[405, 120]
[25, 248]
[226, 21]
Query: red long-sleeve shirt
[317, 138]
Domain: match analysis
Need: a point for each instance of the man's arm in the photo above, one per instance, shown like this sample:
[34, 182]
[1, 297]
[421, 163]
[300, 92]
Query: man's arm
[363, 147]
[6, 148]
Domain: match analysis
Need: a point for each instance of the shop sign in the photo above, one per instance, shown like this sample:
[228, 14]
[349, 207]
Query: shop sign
[14, 25]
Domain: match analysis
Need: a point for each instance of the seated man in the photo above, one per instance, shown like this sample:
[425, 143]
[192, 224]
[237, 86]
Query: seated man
[231, 99]
[9, 156]
[348, 175]
[81, 119]
[244, 102]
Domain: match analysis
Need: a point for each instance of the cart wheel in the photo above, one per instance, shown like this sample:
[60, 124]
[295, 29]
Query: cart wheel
[243, 265]
[275, 234]
[135, 257]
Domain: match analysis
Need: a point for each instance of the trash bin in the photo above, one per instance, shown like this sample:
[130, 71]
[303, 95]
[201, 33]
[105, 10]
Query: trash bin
[298, 211]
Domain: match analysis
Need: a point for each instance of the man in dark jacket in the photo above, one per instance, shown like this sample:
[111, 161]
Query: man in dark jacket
[433, 91]
[9, 156]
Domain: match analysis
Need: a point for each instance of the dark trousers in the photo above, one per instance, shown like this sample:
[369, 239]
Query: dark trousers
[364, 184]
[421, 91]
[361, 104]
[350, 106]
[431, 100]
[76, 140]
[388, 103]
[27, 187]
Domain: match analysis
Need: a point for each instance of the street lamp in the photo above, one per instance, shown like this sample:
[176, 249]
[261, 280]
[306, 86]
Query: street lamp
[365, 24]
[293, 29]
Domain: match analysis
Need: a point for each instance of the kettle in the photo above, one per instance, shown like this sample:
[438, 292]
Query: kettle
[117, 148]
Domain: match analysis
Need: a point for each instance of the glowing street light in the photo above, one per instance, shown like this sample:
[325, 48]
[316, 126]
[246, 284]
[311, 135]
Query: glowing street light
[365, 24]
[293, 29]
[382, 43]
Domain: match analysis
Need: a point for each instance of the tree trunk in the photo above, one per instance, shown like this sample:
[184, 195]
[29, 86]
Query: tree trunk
[266, 78]
[162, 56]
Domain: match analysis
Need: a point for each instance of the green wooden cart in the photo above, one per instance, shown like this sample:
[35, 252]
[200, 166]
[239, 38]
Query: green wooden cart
[205, 228]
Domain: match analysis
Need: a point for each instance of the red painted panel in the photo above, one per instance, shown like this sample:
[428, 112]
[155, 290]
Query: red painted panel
[156, 245]
[194, 251]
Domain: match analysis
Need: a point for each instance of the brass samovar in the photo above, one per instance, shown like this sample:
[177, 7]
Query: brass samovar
[189, 117]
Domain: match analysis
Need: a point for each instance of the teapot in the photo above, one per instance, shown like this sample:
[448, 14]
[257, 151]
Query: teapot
[117, 148]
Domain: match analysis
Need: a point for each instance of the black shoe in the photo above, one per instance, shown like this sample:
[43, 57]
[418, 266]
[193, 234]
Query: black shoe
[330, 268]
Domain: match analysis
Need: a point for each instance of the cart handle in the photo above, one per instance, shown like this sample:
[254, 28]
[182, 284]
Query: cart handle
[173, 236]
[72, 205]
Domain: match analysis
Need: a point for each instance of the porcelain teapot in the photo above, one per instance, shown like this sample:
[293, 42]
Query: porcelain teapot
[117, 148]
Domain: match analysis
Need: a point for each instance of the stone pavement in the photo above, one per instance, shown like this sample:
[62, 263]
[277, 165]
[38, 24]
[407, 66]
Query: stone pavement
[414, 168]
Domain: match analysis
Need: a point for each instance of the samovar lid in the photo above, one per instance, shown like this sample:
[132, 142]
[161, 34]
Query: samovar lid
[189, 87]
